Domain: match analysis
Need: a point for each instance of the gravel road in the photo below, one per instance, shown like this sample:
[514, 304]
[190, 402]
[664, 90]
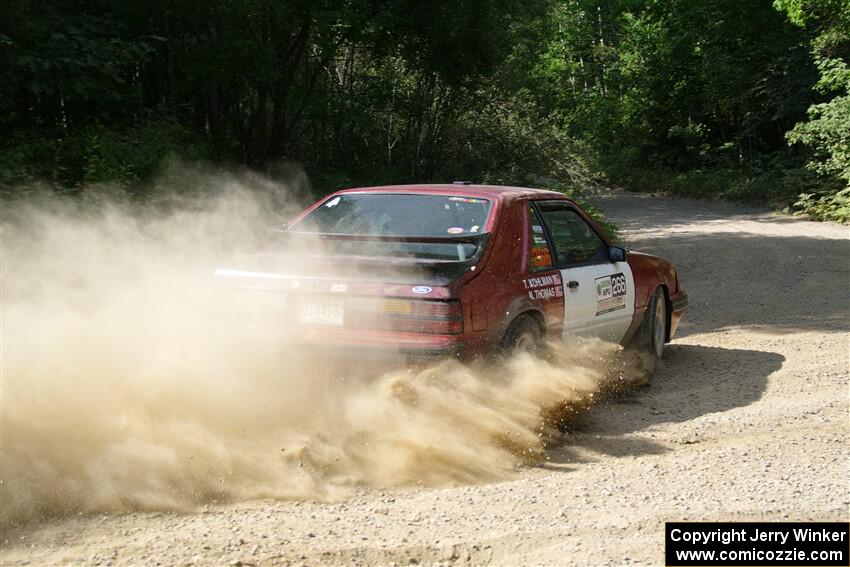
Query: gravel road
[747, 419]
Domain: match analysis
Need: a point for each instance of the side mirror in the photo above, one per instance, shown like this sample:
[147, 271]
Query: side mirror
[616, 254]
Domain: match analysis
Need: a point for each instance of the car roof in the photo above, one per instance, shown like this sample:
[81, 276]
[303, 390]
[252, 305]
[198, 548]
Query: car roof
[459, 189]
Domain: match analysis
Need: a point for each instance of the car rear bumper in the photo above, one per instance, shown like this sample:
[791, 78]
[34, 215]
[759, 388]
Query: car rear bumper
[377, 355]
[379, 346]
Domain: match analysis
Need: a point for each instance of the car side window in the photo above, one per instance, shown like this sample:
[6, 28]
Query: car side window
[539, 254]
[575, 241]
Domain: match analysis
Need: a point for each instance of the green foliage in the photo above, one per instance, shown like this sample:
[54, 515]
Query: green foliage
[96, 153]
[361, 91]
[63, 63]
[777, 185]
[664, 82]
[834, 207]
[827, 130]
[689, 97]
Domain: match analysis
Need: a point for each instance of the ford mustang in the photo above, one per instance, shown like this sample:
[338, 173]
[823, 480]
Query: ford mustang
[454, 270]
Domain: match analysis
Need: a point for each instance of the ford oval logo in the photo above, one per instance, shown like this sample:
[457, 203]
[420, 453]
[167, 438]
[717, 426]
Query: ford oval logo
[421, 289]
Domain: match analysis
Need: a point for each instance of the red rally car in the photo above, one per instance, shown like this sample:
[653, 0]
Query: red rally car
[456, 269]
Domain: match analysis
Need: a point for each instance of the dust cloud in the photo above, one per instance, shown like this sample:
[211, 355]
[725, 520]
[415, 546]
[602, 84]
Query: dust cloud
[130, 382]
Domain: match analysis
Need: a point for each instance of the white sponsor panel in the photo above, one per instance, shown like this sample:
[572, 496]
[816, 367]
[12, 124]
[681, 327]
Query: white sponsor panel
[610, 293]
[602, 304]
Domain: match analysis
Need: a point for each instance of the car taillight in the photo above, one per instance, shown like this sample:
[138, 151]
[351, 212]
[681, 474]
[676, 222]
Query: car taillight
[406, 315]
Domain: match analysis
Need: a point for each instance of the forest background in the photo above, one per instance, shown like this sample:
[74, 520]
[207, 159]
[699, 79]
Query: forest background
[713, 98]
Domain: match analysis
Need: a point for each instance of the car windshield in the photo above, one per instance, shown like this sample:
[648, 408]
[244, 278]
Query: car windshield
[405, 215]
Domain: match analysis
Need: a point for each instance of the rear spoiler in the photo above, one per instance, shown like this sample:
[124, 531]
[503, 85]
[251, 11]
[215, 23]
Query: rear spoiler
[470, 239]
[479, 240]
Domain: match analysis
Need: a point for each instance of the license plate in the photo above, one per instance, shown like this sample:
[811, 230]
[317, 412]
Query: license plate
[322, 311]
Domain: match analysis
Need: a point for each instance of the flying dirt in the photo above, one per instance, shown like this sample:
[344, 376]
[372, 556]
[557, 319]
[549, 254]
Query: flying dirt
[745, 419]
[131, 380]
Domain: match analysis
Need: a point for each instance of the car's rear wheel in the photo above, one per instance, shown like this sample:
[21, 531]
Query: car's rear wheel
[524, 335]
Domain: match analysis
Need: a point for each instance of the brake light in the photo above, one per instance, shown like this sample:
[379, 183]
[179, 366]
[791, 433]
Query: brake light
[406, 315]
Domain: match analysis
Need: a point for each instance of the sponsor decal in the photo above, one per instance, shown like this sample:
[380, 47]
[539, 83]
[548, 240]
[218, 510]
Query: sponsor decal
[544, 287]
[610, 293]
[421, 289]
[541, 281]
[455, 230]
[540, 257]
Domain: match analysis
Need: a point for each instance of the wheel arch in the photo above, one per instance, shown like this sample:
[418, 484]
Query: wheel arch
[517, 331]
[534, 314]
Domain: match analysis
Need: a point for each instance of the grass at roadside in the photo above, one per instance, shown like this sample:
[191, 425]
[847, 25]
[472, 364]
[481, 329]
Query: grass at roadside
[792, 190]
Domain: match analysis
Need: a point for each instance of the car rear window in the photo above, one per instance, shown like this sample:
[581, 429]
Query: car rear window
[398, 215]
[405, 215]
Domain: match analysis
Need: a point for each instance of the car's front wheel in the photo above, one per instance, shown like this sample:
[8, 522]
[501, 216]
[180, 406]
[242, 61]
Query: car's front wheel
[647, 348]
[653, 330]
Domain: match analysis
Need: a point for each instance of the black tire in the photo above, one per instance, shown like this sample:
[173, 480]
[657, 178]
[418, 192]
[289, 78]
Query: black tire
[659, 323]
[653, 331]
[641, 357]
[524, 334]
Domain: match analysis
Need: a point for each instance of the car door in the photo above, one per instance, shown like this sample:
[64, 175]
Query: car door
[542, 280]
[599, 295]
